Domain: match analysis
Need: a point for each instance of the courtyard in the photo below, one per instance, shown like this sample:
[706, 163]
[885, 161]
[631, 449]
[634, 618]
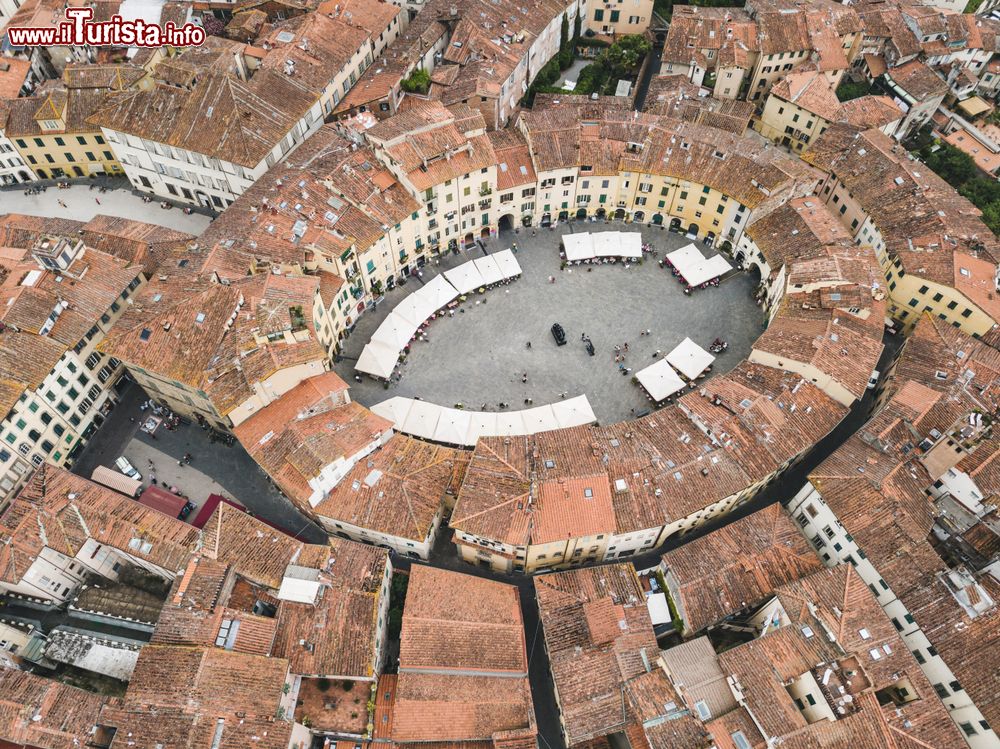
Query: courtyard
[480, 355]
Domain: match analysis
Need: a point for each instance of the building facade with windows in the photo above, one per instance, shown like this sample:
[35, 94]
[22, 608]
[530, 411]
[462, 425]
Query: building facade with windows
[58, 385]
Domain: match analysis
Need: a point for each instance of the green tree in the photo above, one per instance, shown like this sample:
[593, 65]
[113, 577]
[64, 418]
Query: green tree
[565, 48]
[626, 54]
[577, 26]
[418, 83]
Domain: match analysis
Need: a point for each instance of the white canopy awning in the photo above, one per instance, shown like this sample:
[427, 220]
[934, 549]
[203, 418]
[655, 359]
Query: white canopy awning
[422, 419]
[378, 359]
[508, 263]
[573, 412]
[659, 609]
[481, 424]
[693, 266]
[452, 426]
[438, 292]
[395, 410]
[465, 278]
[578, 246]
[631, 244]
[395, 332]
[689, 358]
[607, 244]
[659, 380]
[510, 424]
[539, 419]
[489, 270]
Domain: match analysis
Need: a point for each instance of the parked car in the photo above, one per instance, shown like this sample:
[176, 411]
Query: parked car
[559, 334]
[127, 468]
[186, 510]
[873, 380]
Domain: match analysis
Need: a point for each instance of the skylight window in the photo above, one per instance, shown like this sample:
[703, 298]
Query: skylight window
[145, 334]
[199, 318]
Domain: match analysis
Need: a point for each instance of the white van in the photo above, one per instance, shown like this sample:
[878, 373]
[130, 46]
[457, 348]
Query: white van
[127, 468]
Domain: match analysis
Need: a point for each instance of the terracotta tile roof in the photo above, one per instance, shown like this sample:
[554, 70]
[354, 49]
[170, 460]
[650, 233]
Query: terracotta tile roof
[136, 242]
[45, 714]
[918, 80]
[694, 29]
[463, 664]
[675, 96]
[575, 131]
[58, 510]
[197, 697]
[834, 601]
[399, 489]
[205, 334]
[589, 669]
[318, 193]
[255, 550]
[13, 73]
[922, 219]
[514, 166]
[457, 622]
[197, 612]
[800, 228]
[738, 565]
[335, 636]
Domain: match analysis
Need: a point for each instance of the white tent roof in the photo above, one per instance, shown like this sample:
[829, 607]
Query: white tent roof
[573, 412]
[510, 424]
[394, 409]
[631, 244]
[422, 419]
[465, 278]
[539, 419]
[659, 609]
[695, 268]
[607, 243]
[508, 263]
[438, 292]
[378, 359]
[578, 246]
[489, 269]
[689, 358]
[659, 380]
[394, 332]
[481, 424]
[452, 426]
[413, 309]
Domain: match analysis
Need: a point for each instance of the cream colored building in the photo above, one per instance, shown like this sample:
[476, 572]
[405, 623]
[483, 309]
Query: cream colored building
[617, 19]
[60, 385]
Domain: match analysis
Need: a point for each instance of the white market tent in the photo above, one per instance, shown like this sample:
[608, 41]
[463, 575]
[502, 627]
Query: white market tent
[452, 426]
[539, 419]
[508, 263]
[481, 424]
[607, 243]
[630, 245]
[395, 332]
[489, 270]
[659, 380]
[395, 410]
[438, 293]
[578, 246]
[573, 412]
[695, 269]
[422, 419]
[378, 359]
[510, 424]
[465, 278]
[459, 427]
[413, 309]
[689, 358]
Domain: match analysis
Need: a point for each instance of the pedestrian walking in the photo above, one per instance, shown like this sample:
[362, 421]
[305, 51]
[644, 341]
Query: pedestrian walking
[524, 378]
[626, 346]
[97, 200]
[583, 336]
[61, 203]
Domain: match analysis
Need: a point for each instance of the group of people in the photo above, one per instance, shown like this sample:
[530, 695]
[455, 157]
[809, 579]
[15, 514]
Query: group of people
[620, 351]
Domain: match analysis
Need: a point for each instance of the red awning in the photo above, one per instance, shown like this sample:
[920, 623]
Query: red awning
[163, 501]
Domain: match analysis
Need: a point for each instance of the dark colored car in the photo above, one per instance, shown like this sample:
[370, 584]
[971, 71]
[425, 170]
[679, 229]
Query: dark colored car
[186, 510]
[559, 334]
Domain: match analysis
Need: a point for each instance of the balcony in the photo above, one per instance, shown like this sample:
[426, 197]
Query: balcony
[484, 191]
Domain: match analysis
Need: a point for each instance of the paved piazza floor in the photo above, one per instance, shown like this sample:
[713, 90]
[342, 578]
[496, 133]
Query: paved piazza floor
[479, 356]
